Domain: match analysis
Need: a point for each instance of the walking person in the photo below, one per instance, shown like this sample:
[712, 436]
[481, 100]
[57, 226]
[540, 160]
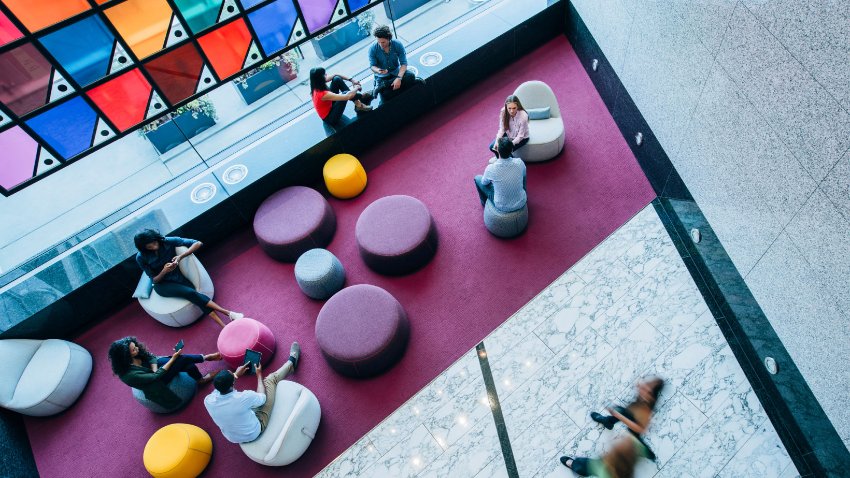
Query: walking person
[636, 415]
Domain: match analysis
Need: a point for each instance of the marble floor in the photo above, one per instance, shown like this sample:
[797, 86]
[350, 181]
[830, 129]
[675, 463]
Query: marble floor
[628, 309]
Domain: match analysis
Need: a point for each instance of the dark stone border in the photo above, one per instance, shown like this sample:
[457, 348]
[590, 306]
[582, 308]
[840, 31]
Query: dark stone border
[496, 408]
[808, 435]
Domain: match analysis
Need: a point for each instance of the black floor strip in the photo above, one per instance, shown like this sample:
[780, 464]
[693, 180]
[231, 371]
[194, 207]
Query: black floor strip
[496, 407]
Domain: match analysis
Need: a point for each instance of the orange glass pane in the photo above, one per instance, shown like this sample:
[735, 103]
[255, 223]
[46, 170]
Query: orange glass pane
[37, 14]
[142, 23]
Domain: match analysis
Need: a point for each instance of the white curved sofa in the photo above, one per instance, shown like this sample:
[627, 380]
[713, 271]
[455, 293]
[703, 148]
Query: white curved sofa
[174, 311]
[546, 136]
[42, 377]
[292, 426]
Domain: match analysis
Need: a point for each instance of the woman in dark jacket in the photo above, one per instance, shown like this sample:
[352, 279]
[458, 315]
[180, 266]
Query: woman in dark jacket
[158, 257]
[140, 369]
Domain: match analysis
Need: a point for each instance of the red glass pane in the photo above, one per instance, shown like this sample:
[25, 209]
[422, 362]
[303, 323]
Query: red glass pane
[124, 100]
[24, 79]
[8, 32]
[226, 47]
[177, 72]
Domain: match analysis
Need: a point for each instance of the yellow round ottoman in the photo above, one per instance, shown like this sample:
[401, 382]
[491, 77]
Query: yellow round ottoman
[344, 176]
[178, 450]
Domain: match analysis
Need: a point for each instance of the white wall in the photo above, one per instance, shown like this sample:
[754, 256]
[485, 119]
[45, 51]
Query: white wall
[751, 101]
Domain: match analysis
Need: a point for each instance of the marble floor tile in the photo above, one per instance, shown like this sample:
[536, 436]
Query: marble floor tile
[562, 372]
[548, 435]
[712, 381]
[512, 367]
[395, 427]
[643, 256]
[674, 422]
[495, 469]
[725, 432]
[408, 457]
[469, 456]
[454, 419]
[360, 456]
[582, 309]
[763, 455]
[614, 377]
[447, 385]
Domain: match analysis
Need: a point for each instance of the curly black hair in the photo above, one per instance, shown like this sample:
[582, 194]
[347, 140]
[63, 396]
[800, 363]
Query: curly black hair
[383, 31]
[119, 354]
[146, 237]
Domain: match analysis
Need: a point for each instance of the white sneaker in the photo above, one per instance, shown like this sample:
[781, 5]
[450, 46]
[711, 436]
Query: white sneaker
[235, 315]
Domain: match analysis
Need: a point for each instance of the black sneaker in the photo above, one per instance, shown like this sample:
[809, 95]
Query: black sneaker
[602, 420]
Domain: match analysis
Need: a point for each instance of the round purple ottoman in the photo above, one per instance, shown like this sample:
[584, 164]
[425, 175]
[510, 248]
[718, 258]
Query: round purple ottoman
[293, 221]
[396, 235]
[362, 331]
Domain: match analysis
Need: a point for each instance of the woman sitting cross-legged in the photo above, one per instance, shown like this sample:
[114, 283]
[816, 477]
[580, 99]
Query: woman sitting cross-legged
[140, 369]
[329, 101]
[158, 257]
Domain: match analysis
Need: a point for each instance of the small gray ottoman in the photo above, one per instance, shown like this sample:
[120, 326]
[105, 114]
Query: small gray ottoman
[182, 385]
[505, 224]
[319, 273]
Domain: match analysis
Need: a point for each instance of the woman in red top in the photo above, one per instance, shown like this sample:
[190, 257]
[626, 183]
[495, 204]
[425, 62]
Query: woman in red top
[330, 101]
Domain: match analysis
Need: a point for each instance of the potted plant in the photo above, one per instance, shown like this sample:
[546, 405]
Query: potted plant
[396, 9]
[343, 36]
[181, 124]
[271, 75]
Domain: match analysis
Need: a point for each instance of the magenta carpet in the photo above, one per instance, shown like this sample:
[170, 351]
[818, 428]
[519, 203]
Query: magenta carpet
[474, 283]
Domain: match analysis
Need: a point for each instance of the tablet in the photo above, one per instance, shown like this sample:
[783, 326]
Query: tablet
[253, 357]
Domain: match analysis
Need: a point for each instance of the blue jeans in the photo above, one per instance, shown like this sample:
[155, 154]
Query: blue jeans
[184, 363]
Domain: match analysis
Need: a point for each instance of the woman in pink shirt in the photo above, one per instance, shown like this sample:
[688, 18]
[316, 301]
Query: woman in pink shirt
[513, 124]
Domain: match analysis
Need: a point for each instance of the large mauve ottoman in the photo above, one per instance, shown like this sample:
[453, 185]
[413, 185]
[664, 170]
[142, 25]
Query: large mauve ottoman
[362, 331]
[396, 235]
[243, 334]
[293, 221]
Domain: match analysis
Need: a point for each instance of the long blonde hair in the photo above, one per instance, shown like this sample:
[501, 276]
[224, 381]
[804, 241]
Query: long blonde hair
[506, 117]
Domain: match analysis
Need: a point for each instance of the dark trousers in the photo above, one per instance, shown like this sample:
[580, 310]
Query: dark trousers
[184, 363]
[581, 466]
[184, 290]
[338, 86]
[485, 191]
[493, 145]
[384, 86]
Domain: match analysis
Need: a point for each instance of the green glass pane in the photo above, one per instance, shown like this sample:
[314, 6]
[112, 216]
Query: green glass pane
[199, 14]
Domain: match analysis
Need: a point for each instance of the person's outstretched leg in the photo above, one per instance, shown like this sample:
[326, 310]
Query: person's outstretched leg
[485, 192]
[217, 308]
[270, 383]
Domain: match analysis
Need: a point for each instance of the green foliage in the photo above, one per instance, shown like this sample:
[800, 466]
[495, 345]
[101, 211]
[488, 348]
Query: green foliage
[197, 107]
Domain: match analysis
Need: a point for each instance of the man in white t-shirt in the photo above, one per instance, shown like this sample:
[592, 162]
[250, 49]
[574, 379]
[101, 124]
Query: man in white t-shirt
[243, 415]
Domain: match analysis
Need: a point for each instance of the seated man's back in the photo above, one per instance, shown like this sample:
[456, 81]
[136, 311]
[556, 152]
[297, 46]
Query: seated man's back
[508, 177]
[233, 413]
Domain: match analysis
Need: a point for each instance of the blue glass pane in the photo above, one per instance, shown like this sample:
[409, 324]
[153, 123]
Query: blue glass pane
[273, 24]
[357, 4]
[68, 127]
[83, 49]
[199, 14]
[250, 3]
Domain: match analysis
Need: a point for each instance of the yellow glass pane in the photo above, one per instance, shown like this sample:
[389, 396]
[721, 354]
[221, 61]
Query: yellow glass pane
[142, 23]
[37, 14]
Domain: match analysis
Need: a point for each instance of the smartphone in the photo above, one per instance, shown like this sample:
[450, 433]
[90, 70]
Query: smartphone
[252, 357]
[179, 346]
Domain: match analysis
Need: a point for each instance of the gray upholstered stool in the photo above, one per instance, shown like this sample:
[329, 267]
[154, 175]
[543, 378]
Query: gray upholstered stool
[505, 224]
[182, 385]
[319, 273]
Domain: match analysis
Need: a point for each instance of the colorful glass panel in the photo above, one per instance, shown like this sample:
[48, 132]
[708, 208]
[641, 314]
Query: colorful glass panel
[37, 14]
[8, 31]
[84, 49]
[357, 4]
[317, 13]
[250, 3]
[273, 24]
[17, 163]
[143, 24]
[177, 72]
[24, 79]
[226, 47]
[199, 14]
[68, 127]
[124, 99]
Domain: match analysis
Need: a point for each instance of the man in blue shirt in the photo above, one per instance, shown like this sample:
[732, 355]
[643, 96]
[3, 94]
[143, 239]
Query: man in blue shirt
[503, 182]
[388, 61]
